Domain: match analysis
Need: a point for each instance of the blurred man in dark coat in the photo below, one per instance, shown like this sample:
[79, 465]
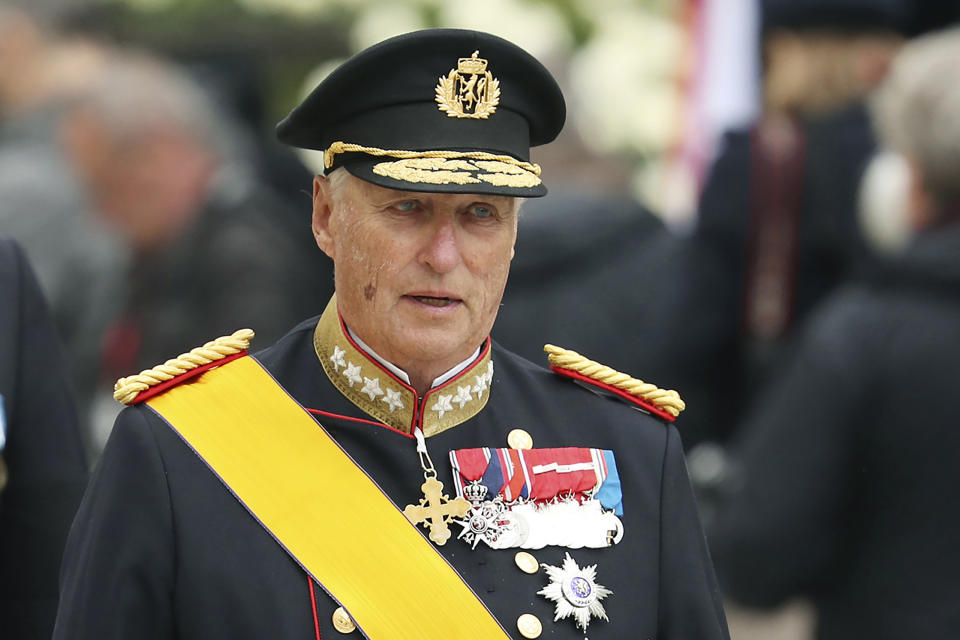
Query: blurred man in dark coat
[42, 466]
[206, 248]
[156, 157]
[43, 205]
[570, 243]
[848, 469]
[777, 227]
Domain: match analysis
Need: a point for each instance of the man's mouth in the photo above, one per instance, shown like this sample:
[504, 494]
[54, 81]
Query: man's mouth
[435, 301]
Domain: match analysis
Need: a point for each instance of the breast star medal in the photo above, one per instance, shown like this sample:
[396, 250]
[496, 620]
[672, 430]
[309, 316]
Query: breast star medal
[435, 508]
[575, 592]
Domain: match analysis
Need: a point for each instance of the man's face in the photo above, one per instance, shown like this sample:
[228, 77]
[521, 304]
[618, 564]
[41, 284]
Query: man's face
[419, 276]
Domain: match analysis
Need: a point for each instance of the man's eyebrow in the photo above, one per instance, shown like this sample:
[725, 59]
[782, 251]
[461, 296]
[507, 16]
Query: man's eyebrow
[396, 196]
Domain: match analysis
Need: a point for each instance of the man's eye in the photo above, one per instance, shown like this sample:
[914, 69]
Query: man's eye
[481, 211]
[406, 205]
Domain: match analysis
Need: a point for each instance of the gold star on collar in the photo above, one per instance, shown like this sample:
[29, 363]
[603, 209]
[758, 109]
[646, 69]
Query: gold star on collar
[380, 394]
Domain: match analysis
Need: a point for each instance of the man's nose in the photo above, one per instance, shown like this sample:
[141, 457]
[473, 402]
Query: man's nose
[442, 249]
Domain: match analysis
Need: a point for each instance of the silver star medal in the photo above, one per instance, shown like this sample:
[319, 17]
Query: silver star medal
[575, 592]
[482, 522]
[485, 520]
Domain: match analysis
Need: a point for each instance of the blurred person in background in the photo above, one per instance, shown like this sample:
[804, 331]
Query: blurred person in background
[847, 470]
[43, 204]
[608, 252]
[207, 253]
[777, 226]
[235, 83]
[42, 466]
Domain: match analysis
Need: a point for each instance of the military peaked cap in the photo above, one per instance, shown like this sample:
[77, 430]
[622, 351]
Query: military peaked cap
[440, 110]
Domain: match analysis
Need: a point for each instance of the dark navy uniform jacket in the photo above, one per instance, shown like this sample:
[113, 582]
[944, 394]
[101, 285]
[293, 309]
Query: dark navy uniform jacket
[161, 550]
[43, 453]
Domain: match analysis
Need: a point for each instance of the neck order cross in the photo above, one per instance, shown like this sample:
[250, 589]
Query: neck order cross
[435, 508]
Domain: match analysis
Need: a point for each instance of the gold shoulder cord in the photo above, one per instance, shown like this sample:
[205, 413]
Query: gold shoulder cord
[126, 389]
[665, 400]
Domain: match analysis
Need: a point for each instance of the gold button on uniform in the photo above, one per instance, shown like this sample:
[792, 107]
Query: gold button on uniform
[519, 439]
[526, 562]
[342, 621]
[529, 626]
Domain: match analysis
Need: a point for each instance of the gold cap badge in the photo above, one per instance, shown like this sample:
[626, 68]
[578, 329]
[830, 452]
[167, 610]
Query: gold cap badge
[469, 91]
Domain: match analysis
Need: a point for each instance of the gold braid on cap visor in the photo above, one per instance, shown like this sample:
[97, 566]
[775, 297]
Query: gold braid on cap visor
[444, 167]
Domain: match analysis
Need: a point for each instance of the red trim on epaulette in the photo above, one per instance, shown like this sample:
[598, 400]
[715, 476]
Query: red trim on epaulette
[146, 394]
[620, 392]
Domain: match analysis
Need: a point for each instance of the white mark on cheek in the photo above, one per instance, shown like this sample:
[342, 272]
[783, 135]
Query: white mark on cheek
[365, 256]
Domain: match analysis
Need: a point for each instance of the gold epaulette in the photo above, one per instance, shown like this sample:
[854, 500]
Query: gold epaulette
[130, 390]
[664, 403]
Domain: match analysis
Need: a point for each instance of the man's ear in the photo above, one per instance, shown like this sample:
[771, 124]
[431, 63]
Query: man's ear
[516, 226]
[322, 210]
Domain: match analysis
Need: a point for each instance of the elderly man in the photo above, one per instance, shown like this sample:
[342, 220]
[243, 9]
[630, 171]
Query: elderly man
[386, 470]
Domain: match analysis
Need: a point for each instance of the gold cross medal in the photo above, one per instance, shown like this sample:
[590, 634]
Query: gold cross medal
[435, 509]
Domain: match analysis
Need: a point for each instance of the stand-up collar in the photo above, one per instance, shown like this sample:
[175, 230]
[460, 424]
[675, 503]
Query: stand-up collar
[381, 394]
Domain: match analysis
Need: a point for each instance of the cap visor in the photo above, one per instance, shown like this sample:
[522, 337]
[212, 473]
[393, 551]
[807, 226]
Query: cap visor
[437, 175]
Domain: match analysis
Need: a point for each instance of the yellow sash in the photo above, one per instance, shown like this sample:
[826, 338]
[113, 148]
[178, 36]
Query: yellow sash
[325, 511]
